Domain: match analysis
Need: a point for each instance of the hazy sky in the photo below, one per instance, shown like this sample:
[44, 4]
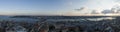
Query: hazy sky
[51, 7]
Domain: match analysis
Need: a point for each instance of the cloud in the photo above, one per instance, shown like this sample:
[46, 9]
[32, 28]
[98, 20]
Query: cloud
[106, 7]
[82, 8]
[107, 11]
[81, 11]
[116, 9]
[88, 11]
[94, 12]
[85, 10]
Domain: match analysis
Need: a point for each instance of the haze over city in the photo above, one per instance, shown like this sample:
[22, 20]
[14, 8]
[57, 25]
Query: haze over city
[59, 7]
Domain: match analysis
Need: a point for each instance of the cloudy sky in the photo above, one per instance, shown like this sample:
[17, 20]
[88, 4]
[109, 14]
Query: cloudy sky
[54, 7]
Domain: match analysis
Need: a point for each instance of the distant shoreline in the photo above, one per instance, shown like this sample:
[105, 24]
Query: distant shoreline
[61, 15]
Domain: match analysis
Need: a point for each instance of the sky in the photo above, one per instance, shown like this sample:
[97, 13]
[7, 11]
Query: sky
[54, 7]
